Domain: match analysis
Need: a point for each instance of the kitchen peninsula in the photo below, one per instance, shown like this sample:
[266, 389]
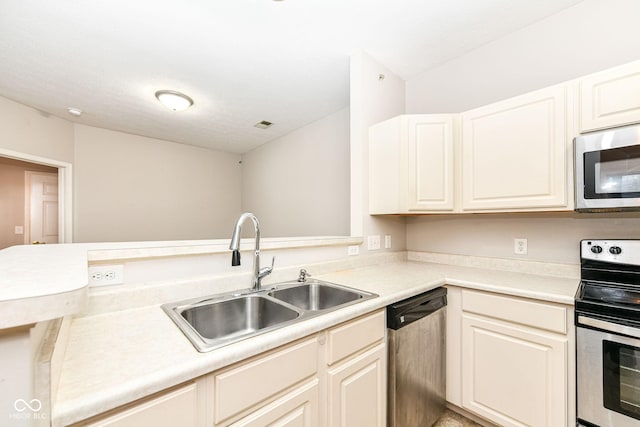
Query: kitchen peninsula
[121, 348]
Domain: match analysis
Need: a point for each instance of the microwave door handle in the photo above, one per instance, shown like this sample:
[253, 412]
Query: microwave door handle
[609, 327]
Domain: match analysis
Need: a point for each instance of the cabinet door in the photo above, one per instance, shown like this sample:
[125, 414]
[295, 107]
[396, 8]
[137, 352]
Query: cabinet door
[357, 390]
[515, 152]
[387, 173]
[610, 98]
[411, 164]
[430, 162]
[513, 375]
[299, 408]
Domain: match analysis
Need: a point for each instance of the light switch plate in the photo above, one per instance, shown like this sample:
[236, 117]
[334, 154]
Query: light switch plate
[19, 229]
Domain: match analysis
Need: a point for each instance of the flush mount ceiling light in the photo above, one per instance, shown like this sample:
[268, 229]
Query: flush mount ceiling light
[74, 111]
[173, 100]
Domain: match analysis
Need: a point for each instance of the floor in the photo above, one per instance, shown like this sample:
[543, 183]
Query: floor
[451, 419]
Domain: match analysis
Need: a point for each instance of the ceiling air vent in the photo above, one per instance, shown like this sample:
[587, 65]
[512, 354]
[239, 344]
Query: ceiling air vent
[263, 124]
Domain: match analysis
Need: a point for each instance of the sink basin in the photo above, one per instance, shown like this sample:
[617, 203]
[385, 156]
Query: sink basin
[316, 296]
[213, 323]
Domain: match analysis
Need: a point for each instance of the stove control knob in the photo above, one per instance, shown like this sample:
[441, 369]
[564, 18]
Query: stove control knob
[615, 250]
[596, 249]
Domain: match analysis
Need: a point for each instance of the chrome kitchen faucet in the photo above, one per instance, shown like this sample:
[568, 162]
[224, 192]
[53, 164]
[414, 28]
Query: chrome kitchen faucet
[258, 273]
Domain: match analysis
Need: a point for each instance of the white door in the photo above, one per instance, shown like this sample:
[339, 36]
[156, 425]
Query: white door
[41, 207]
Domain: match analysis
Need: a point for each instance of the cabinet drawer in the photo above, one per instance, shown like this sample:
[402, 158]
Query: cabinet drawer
[353, 336]
[536, 314]
[253, 382]
[176, 407]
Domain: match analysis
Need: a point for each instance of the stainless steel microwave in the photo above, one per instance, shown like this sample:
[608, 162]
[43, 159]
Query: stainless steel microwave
[607, 170]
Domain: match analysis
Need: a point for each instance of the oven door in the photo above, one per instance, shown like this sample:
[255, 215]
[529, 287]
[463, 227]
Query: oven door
[608, 169]
[608, 373]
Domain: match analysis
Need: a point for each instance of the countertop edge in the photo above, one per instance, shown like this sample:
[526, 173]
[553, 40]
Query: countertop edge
[26, 311]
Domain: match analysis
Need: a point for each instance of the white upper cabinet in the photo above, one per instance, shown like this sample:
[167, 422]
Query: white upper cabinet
[411, 164]
[610, 98]
[511, 156]
[516, 153]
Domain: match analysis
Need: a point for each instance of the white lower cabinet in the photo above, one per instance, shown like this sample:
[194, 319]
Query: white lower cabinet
[357, 390]
[357, 372]
[515, 360]
[248, 387]
[298, 408]
[513, 375]
[182, 406]
[335, 377]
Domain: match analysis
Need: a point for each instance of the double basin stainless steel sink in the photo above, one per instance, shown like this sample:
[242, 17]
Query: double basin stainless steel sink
[218, 320]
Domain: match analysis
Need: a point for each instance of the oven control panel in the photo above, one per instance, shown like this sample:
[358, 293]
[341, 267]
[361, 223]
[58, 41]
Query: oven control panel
[616, 251]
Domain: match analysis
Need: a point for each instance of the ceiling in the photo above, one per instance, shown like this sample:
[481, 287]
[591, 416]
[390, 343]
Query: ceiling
[242, 61]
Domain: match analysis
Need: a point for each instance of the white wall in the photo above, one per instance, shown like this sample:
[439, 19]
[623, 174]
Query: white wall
[114, 172]
[591, 36]
[298, 184]
[29, 131]
[552, 237]
[588, 37]
[133, 188]
[372, 100]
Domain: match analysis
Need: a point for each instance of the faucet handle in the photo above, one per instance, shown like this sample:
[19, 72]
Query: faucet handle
[264, 271]
[303, 275]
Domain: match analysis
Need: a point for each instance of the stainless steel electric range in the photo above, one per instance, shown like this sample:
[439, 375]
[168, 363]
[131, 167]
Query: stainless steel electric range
[608, 334]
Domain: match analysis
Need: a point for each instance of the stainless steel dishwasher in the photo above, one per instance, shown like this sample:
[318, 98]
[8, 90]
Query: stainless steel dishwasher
[416, 338]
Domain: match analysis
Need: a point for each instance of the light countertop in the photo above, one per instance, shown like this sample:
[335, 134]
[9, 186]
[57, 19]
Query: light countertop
[41, 282]
[115, 358]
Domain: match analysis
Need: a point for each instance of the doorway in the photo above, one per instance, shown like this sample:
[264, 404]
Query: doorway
[35, 200]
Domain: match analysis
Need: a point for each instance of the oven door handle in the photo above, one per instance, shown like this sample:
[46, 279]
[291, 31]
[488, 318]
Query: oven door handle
[609, 327]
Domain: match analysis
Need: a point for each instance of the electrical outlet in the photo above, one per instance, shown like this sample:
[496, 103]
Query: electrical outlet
[387, 241]
[104, 275]
[353, 250]
[520, 246]
[373, 243]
